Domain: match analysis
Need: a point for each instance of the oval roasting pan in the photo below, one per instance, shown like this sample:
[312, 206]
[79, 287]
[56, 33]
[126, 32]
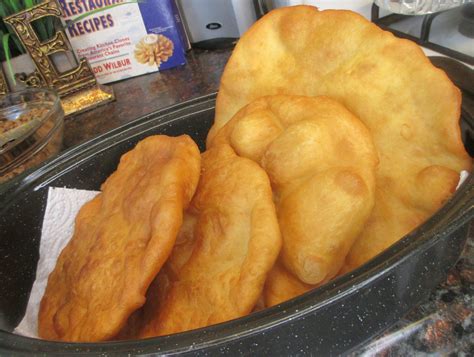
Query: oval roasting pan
[333, 319]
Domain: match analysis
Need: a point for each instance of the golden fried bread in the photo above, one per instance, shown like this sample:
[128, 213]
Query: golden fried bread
[121, 240]
[282, 286]
[321, 162]
[410, 107]
[159, 288]
[237, 241]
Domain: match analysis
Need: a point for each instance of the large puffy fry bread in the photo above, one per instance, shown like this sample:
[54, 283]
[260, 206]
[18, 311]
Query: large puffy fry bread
[121, 240]
[321, 162]
[410, 107]
[237, 241]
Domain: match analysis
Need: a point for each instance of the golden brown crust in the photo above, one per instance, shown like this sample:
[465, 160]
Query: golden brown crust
[121, 239]
[410, 107]
[321, 162]
[282, 286]
[169, 273]
[237, 241]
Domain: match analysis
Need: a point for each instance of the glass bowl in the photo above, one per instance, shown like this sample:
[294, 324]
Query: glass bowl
[31, 130]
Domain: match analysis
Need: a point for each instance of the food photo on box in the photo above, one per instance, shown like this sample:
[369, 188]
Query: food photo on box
[124, 39]
[314, 198]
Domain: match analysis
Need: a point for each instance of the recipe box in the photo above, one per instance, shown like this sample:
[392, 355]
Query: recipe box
[125, 39]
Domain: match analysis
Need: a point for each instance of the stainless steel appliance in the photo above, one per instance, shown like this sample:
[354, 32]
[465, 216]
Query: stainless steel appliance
[217, 23]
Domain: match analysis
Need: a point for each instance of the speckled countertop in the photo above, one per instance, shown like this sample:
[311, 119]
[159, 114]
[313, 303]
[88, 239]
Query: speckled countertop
[443, 325]
[142, 95]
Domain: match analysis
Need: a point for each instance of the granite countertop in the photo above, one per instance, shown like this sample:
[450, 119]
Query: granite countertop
[142, 95]
[441, 325]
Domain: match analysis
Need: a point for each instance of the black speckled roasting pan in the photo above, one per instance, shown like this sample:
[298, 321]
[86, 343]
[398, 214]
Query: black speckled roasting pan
[327, 321]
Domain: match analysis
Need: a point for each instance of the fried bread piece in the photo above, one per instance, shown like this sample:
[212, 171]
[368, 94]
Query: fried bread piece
[159, 288]
[121, 240]
[237, 241]
[321, 162]
[410, 107]
[281, 286]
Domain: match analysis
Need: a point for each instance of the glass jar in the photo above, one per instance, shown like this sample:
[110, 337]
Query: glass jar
[31, 130]
[419, 7]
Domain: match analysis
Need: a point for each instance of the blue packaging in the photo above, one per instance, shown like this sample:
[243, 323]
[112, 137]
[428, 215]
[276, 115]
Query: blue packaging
[125, 39]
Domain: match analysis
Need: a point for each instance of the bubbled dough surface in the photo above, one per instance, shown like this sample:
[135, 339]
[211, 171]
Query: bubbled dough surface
[410, 107]
[235, 243]
[321, 162]
[121, 240]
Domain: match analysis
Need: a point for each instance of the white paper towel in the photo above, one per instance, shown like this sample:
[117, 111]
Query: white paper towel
[58, 226]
